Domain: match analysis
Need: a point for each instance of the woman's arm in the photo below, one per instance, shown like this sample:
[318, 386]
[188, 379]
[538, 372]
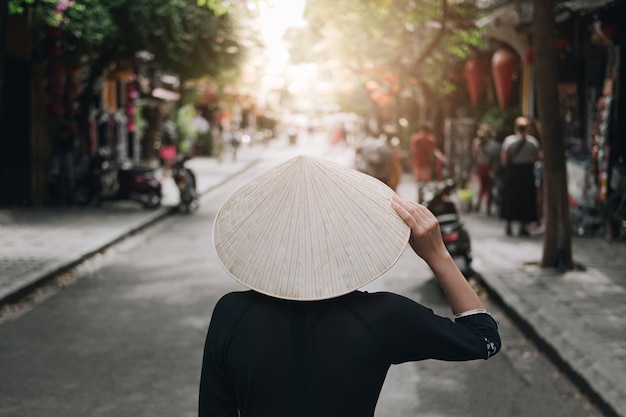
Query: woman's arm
[428, 244]
[504, 155]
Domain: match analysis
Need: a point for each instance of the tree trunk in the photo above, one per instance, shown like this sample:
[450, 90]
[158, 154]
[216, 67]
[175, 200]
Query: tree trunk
[557, 250]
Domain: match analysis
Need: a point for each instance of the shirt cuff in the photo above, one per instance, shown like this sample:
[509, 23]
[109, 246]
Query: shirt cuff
[472, 312]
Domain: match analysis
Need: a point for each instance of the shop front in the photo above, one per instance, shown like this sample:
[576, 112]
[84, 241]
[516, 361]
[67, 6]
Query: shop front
[592, 94]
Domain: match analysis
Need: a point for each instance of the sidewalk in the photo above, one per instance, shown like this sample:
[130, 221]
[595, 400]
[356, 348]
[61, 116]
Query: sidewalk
[577, 317]
[39, 243]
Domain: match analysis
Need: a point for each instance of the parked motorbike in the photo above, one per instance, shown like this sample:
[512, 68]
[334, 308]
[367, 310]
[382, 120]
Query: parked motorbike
[437, 198]
[108, 180]
[185, 180]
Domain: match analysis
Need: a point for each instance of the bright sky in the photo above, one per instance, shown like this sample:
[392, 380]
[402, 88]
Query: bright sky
[276, 16]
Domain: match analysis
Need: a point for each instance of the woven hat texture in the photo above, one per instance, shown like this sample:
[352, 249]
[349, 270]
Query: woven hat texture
[309, 229]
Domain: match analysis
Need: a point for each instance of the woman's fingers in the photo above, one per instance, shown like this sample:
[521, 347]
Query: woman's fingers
[418, 217]
[405, 211]
[425, 233]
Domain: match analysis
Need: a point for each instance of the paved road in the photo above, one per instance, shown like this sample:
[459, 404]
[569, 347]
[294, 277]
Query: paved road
[576, 316]
[124, 335]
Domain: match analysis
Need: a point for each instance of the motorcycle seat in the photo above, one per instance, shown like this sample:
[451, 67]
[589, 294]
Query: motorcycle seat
[134, 170]
[448, 218]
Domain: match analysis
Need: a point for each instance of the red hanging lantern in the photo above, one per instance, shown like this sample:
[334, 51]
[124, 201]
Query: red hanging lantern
[504, 65]
[474, 77]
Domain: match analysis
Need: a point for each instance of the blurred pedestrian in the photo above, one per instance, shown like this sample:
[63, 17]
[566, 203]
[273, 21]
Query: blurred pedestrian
[374, 156]
[425, 157]
[169, 141]
[304, 340]
[533, 130]
[202, 134]
[339, 135]
[519, 200]
[396, 166]
[234, 142]
[486, 153]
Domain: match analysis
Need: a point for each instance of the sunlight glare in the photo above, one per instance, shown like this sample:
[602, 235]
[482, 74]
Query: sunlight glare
[276, 17]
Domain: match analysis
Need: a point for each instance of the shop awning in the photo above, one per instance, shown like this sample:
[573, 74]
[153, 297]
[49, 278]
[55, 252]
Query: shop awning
[564, 10]
[167, 95]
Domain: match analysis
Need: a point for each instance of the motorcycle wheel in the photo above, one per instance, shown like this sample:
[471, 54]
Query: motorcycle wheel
[184, 207]
[189, 203]
[194, 205]
[153, 201]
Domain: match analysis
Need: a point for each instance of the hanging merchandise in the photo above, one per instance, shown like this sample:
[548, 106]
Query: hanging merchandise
[603, 146]
[474, 75]
[504, 65]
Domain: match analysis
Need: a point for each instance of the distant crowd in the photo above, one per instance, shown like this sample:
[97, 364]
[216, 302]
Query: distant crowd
[507, 173]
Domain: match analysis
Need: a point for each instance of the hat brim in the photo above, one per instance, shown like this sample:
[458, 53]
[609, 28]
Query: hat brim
[309, 229]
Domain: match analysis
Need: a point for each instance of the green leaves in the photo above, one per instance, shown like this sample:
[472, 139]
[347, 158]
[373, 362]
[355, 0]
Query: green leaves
[48, 10]
[18, 6]
[192, 38]
[86, 25]
[419, 39]
[219, 7]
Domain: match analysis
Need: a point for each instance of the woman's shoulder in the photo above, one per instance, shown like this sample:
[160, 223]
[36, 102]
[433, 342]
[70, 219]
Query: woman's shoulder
[533, 140]
[386, 302]
[509, 140]
[235, 301]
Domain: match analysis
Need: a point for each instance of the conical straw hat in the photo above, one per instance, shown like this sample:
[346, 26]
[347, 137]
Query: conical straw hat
[309, 229]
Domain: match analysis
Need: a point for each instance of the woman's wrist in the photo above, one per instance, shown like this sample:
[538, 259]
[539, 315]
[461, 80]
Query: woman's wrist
[438, 257]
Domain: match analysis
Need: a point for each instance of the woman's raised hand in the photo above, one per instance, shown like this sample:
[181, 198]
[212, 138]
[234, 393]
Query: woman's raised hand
[425, 237]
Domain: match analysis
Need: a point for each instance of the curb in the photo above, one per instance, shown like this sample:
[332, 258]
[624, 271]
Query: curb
[531, 331]
[33, 280]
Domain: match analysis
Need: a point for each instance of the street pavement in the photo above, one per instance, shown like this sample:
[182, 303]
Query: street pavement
[575, 316]
[37, 244]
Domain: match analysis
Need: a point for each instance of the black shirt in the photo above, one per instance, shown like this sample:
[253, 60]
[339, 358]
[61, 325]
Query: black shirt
[273, 358]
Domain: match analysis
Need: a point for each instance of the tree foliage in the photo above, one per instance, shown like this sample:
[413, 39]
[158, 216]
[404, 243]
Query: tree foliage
[400, 43]
[184, 38]
[50, 10]
[191, 38]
